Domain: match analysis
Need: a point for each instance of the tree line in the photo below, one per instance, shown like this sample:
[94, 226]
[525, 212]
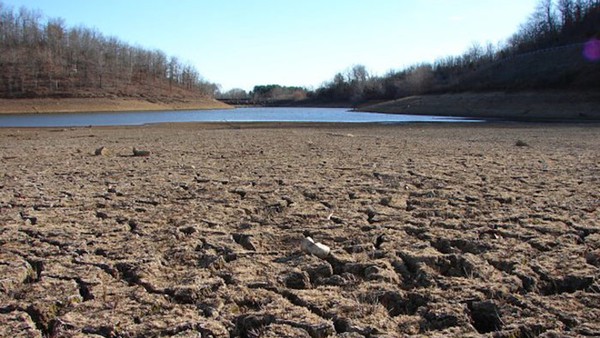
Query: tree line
[505, 66]
[559, 26]
[265, 94]
[43, 58]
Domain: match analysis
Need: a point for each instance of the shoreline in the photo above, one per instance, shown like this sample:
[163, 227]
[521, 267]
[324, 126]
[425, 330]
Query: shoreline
[548, 106]
[519, 106]
[89, 105]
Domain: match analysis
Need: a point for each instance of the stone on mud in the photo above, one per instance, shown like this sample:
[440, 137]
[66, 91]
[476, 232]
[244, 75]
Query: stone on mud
[102, 151]
[297, 280]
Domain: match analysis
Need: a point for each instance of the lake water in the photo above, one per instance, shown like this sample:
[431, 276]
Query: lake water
[229, 115]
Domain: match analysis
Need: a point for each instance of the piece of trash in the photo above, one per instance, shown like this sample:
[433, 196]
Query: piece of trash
[318, 249]
[137, 152]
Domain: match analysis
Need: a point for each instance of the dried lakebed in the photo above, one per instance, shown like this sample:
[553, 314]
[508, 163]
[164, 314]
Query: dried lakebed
[438, 230]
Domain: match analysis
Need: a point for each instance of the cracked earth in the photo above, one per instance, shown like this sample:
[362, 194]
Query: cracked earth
[434, 230]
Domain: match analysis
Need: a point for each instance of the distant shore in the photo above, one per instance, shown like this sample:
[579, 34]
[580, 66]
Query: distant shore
[79, 105]
[524, 106]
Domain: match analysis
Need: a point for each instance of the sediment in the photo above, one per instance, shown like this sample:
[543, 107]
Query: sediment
[437, 230]
[115, 104]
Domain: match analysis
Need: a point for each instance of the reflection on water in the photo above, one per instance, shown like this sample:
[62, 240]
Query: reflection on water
[233, 115]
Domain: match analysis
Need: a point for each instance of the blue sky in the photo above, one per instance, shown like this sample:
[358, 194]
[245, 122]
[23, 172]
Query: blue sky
[242, 43]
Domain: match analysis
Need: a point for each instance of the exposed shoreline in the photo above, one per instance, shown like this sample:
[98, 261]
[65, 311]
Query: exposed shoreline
[80, 105]
[523, 106]
[202, 235]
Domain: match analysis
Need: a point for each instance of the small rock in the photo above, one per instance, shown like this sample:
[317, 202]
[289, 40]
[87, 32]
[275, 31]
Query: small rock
[101, 215]
[485, 316]
[241, 192]
[521, 143]
[320, 270]
[387, 201]
[245, 241]
[188, 230]
[377, 273]
[380, 240]
[102, 151]
[297, 280]
[212, 261]
[138, 152]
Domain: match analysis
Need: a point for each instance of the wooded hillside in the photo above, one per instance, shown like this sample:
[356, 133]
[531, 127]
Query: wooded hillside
[44, 58]
[557, 48]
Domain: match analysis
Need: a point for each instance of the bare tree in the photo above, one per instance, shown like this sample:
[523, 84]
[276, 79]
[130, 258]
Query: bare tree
[43, 57]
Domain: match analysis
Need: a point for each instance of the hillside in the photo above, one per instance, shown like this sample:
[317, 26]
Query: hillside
[552, 84]
[43, 58]
[562, 67]
[556, 50]
[521, 106]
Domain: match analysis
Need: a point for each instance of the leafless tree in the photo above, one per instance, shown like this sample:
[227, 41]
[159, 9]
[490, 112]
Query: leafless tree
[43, 57]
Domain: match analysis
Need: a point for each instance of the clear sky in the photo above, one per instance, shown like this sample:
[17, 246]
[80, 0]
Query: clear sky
[242, 43]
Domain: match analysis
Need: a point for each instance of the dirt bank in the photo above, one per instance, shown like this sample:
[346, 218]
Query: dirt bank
[437, 230]
[531, 106]
[75, 105]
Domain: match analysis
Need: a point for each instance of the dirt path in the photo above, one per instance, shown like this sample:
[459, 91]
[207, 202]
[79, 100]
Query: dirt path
[202, 237]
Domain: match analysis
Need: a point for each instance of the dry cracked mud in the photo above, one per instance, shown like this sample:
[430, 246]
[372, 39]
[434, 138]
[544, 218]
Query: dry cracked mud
[435, 230]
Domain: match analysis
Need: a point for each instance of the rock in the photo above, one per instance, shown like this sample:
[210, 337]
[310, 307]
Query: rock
[245, 241]
[485, 316]
[297, 280]
[101, 215]
[377, 273]
[138, 152]
[320, 270]
[440, 318]
[380, 240]
[400, 303]
[18, 324]
[247, 323]
[15, 271]
[340, 280]
[342, 325]
[193, 293]
[188, 230]
[211, 261]
[386, 201]
[238, 191]
[102, 151]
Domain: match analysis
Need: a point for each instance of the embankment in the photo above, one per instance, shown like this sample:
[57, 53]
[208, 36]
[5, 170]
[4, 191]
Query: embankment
[76, 105]
[525, 106]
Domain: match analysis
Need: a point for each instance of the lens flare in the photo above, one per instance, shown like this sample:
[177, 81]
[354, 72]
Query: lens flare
[591, 50]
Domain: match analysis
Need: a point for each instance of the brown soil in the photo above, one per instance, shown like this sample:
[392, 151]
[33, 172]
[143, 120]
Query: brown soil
[437, 230]
[532, 106]
[76, 105]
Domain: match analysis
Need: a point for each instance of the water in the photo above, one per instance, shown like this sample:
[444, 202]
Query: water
[229, 115]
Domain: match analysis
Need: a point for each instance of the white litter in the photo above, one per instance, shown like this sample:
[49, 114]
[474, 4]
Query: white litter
[318, 249]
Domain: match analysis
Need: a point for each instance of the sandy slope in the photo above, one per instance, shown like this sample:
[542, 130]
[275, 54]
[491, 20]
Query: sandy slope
[72, 105]
[559, 105]
[202, 237]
